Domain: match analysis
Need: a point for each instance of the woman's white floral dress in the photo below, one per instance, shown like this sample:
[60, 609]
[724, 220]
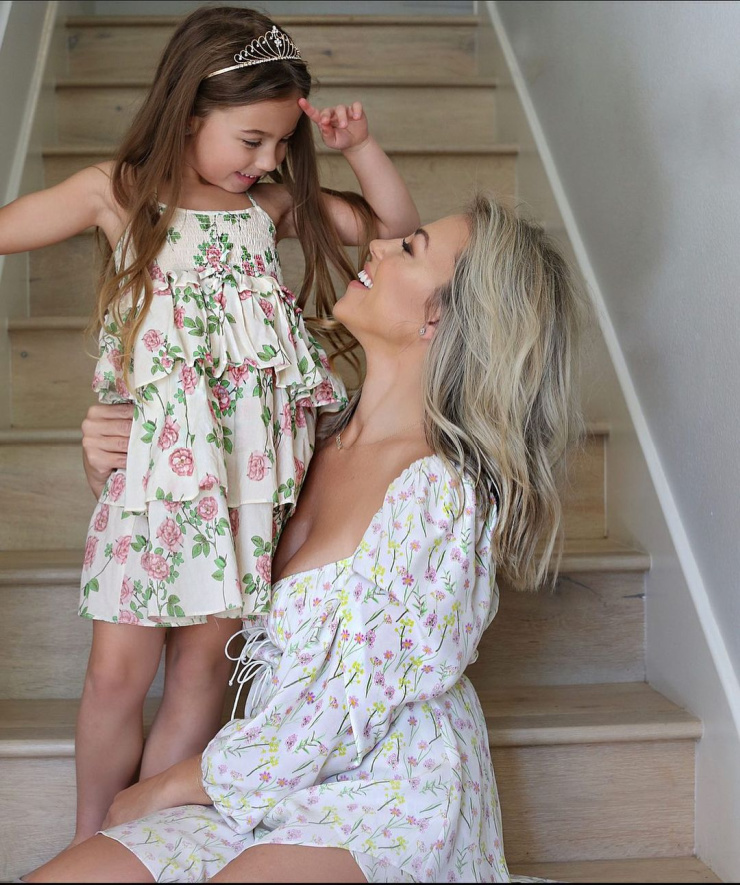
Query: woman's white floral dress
[364, 734]
[226, 381]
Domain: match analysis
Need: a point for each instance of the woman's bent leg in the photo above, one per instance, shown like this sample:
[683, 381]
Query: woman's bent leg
[291, 863]
[99, 859]
[123, 662]
[196, 678]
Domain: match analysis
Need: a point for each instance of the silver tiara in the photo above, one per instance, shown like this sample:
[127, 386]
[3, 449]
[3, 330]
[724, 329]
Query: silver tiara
[272, 46]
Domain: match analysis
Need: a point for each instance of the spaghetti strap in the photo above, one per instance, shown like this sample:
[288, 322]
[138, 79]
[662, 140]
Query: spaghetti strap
[252, 200]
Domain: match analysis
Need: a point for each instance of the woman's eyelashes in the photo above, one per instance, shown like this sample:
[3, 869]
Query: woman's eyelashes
[406, 247]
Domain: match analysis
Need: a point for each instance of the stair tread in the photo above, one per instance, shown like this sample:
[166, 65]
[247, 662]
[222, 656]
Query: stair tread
[531, 716]
[473, 82]
[560, 714]
[287, 21]
[648, 870]
[85, 149]
[63, 566]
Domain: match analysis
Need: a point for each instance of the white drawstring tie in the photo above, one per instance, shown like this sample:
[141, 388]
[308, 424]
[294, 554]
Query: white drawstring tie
[250, 666]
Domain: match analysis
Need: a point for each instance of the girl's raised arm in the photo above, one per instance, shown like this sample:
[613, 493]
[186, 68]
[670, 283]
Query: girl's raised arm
[345, 128]
[49, 216]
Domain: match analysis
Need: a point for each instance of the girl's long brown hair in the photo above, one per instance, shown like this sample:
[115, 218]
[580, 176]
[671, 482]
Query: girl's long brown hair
[151, 155]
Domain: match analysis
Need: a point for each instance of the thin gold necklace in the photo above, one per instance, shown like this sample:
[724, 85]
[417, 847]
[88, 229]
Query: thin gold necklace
[340, 445]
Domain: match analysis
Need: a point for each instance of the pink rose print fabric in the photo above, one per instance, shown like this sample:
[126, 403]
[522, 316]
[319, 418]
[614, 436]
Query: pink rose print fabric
[368, 736]
[226, 381]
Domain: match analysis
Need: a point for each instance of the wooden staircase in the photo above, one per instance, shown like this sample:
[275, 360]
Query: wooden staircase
[595, 769]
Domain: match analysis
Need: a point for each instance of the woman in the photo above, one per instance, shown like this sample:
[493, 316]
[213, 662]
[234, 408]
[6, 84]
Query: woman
[363, 754]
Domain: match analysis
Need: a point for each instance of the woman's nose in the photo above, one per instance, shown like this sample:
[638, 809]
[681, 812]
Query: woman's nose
[378, 248]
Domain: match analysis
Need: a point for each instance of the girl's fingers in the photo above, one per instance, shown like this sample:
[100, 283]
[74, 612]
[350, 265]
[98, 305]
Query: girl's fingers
[341, 116]
[308, 109]
[356, 110]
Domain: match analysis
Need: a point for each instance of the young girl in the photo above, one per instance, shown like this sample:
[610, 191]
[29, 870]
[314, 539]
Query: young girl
[199, 333]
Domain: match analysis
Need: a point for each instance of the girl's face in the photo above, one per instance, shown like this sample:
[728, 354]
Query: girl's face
[232, 148]
[402, 274]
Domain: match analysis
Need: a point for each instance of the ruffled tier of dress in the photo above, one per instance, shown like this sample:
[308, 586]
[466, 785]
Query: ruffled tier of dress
[226, 377]
[225, 380]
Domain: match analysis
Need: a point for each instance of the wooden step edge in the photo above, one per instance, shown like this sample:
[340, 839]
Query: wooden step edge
[53, 437]
[337, 80]
[75, 324]
[287, 21]
[503, 149]
[518, 732]
[43, 567]
[612, 712]
[47, 324]
[37, 748]
[646, 870]
[24, 733]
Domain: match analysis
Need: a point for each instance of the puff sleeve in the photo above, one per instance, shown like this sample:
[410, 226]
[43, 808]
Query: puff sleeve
[400, 625]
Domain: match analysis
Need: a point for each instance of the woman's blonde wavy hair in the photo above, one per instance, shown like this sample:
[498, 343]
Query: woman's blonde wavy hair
[501, 383]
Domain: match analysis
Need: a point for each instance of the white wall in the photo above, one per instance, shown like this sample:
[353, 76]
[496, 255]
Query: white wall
[637, 108]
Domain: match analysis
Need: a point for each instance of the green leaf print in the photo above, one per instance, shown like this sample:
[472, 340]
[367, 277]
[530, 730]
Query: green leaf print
[204, 221]
[267, 352]
[303, 365]
[173, 609]
[197, 329]
[173, 236]
[139, 544]
[149, 428]
[91, 587]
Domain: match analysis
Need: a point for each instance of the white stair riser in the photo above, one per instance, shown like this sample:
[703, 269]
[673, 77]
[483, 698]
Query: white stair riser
[444, 117]
[590, 630]
[597, 801]
[44, 487]
[410, 50]
[563, 803]
[440, 184]
[582, 636]
[59, 640]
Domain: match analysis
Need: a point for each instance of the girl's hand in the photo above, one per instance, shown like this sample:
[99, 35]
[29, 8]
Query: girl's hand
[343, 128]
[105, 435]
[181, 784]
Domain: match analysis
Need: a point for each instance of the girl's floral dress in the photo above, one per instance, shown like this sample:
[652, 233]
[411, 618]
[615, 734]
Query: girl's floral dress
[361, 730]
[225, 380]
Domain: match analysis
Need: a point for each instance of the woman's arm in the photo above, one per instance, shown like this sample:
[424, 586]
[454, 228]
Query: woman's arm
[59, 212]
[105, 437]
[345, 128]
[181, 784]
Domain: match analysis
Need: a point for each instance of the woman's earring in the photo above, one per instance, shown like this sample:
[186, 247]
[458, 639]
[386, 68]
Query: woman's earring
[422, 331]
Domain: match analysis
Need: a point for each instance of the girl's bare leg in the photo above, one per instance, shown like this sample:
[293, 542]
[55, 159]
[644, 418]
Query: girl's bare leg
[196, 678]
[99, 859]
[110, 732]
[291, 863]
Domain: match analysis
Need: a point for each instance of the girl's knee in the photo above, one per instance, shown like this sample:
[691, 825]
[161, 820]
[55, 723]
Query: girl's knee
[120, 676]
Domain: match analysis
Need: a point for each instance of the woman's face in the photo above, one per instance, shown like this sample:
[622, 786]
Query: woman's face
[399, 278]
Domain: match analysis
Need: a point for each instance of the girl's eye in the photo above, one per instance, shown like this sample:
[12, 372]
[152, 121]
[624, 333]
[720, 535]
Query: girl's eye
[252, 144]
[406, 248]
